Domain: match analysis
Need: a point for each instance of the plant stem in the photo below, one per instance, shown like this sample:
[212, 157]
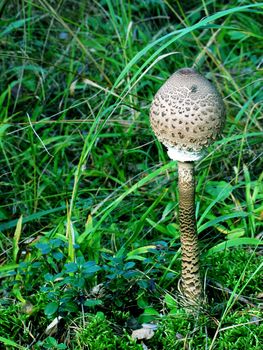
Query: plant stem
[191, 280]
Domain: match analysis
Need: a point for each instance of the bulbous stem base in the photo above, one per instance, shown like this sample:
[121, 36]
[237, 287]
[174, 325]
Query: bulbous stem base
[191, 281]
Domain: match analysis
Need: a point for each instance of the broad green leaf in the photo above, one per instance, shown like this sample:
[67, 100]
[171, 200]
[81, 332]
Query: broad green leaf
[129, 265]
[142, 303]
[90, 267]
[92, 302]
[170, 301]
[51, 308]
[71, 267]
[149, 314]
[151, 311]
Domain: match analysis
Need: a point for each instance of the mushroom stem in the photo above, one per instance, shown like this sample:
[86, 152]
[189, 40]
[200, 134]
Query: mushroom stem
[191, 280]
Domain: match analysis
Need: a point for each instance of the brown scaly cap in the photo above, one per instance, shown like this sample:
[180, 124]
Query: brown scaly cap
[187, 114]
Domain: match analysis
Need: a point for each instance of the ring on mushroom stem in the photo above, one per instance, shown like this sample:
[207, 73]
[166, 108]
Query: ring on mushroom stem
[187, 115]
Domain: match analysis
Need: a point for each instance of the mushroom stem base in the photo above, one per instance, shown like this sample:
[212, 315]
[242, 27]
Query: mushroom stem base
[191, 280]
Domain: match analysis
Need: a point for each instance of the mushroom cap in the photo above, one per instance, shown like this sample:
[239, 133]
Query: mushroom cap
[187, 115]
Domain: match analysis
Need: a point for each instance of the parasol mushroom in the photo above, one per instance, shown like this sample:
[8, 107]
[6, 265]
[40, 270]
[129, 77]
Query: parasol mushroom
[187, 115]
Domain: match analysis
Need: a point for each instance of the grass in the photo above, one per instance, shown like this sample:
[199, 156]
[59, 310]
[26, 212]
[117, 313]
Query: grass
[89, 234]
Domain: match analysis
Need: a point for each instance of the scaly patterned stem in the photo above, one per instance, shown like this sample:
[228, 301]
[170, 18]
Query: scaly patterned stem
[191, 281]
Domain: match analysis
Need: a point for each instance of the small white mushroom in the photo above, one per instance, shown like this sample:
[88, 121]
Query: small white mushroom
[187, 115]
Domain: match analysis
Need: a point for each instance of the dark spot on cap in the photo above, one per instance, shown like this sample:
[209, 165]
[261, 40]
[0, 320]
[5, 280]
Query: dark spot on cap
[194, 88]
[186, 71]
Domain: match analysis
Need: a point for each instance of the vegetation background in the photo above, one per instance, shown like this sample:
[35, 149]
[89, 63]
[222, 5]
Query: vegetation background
[89, 239]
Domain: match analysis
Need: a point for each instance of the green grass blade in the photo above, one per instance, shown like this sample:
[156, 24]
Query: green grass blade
[14, 25]
[213, 222]
[36, 216]
[9, 342]
[7, 268]
[17, 236]
[106, 212]
[234, 243]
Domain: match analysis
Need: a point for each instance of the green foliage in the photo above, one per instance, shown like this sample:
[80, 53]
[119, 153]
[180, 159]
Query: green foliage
[239, 332]
[89, 233]
[50, 343]
[246, 333]
[97, 334]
